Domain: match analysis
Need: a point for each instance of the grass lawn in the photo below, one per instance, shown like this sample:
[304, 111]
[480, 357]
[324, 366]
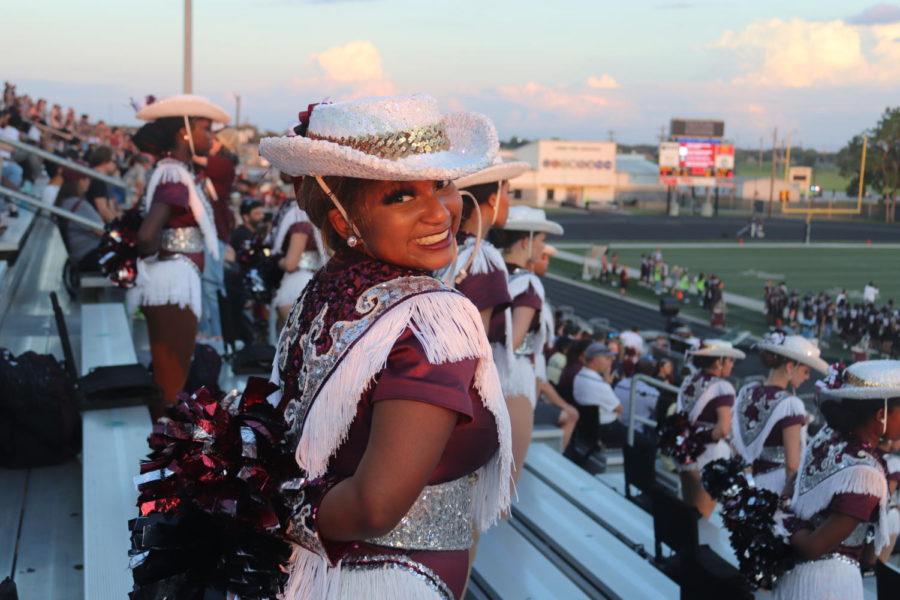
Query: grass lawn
[746, 269]
[737, 317]
[828, 179]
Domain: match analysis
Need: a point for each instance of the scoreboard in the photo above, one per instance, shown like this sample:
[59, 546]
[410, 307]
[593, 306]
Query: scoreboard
[700, 158]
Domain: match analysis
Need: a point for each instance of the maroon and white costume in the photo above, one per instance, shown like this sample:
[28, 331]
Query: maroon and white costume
[893, 467]
[364, 331]
[838, 474]
[700, 396]
[173, 275]
[314, 255]
[760, 415]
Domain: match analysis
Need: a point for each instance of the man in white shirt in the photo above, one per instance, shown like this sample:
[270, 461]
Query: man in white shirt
[591, 388]
[870, 293]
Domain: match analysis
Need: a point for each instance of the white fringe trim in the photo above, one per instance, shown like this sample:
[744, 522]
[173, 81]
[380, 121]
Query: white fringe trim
[171, 281]
[787, 407]
[831, 579]
[517, 376]
[449, 328]
[773, 480]
[174, 171]
[893, 522]
[856, 479]
[292, 285]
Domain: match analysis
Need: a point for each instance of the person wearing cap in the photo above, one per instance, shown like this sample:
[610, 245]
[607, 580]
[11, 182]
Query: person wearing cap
[591, 387]
[177, 230]
[301, 252]
[386, 377]
[840, 499]
[707, 398]
[769, 419]
[520, 363]
[253, 222]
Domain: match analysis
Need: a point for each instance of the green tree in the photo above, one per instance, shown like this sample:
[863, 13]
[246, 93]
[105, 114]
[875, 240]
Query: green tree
[882, 171]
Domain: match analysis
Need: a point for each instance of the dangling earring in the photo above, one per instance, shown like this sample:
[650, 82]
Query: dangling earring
[352, 241]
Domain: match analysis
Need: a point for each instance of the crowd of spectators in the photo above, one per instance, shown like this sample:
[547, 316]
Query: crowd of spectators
[594, 371]
[863, 325]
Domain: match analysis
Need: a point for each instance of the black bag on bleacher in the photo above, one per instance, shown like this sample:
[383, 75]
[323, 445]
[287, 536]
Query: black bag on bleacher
[39, 422]
[206, 367]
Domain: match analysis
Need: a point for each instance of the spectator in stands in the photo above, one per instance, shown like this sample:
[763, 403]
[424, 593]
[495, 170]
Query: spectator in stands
[556, 363]
[646, 396]
[12, 171]
[84, 127]
[69, 121]
[591, 387]
[102, 160]
[574, 363]
[51, 190]
[82, 242]
[56, 117]
[136, 178]
[253, 223]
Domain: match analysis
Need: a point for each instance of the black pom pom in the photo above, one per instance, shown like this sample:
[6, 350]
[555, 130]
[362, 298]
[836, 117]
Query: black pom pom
[118, 248]
[682, 440]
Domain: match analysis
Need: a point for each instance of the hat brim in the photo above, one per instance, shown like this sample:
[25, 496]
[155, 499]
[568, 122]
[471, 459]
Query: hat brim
[185, 105]
[473, 146]
[862, 393]
[720, 352]
[535, 226]
[814, 362]
[493, 174]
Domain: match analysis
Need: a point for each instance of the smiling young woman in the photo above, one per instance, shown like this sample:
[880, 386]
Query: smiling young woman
[387, 381]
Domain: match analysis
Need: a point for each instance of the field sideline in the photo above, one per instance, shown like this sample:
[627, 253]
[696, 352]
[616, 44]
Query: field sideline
[745, 269]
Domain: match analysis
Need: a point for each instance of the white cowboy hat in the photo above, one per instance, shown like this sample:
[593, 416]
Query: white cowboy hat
[796, 348]
[400, 138]
[719, 348]
[183, 105]
[866, 380]
[499, 171]
[525, 218]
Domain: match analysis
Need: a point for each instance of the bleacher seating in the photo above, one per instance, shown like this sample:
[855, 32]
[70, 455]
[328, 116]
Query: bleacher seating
[17, 229]
[115, 440]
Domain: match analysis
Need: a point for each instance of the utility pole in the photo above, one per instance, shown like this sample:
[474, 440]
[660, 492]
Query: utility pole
[787, 160]
[188, 49]
[759, 161]
[662, 133]
[772, 180]
[237, 110]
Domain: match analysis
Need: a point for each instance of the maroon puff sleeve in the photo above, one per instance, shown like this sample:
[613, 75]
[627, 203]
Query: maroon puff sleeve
[301, 227]
[486, 290]
[529, 298]
[409, 376]
[858, 506]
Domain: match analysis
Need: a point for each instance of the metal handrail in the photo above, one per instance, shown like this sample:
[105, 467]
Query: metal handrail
[61, 212]
[69, 164]
[632, 396]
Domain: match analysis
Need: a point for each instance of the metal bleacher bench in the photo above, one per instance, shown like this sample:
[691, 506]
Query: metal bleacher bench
[16, 231]
[115, 440]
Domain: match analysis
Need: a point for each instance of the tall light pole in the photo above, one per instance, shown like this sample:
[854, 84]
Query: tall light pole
[188, 52]
[237, 110]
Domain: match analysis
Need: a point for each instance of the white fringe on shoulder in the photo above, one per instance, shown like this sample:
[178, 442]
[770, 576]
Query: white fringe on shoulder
[855, 479]
[787, 407]
[831, 579]
[171, 281]
[174, 171]
[449, 328]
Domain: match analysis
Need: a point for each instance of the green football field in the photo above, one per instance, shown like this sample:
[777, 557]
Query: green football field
[746, 269]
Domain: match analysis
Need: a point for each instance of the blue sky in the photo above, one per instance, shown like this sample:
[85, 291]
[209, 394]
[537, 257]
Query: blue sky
[820, 69]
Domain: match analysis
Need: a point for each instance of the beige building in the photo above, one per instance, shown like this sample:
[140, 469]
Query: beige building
[800, 178]
[565, 172]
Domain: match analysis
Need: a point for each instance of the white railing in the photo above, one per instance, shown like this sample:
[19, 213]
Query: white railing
[65, 162]
[61, 212]
[632, 396]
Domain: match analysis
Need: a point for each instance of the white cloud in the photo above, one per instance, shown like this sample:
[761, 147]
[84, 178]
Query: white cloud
[799, 53]
[604, 82]
[352, 62]
[877, 14]
[541, 97]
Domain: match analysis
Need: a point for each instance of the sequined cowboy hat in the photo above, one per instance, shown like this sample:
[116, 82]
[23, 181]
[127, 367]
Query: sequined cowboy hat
[716, 348]
[183, 105]
[866, 380]
[398, 138]
[499, 171]
[525, 218]
[796, 348]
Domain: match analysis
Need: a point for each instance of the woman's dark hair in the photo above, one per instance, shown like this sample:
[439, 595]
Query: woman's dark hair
[576, 349]
[158, 137]
[482, 192]
[505, 238]
[69, 189]
[847, 415]
[704, 362]
[562, 344]
[771, 360]
[350, 191]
